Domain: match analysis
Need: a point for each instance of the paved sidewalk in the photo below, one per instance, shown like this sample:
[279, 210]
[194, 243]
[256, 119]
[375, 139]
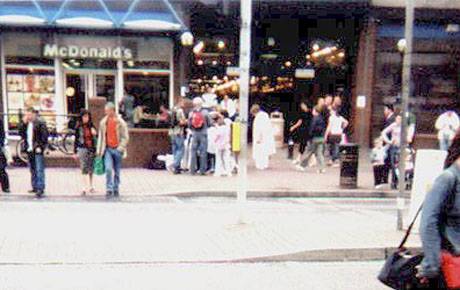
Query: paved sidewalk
[196, 230]
[280, 180]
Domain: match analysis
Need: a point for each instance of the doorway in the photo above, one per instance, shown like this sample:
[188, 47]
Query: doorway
[81, 85]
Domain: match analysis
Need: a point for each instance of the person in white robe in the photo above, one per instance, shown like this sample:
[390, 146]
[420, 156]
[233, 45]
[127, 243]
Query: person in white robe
[228, 105]
[263, 140]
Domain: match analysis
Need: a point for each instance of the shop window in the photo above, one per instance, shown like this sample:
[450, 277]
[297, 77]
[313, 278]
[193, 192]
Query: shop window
[30, 88]
[434, 78]
[150, 91]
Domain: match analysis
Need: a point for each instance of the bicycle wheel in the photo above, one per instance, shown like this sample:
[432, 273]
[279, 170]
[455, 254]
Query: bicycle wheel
[67, 144]
[21, 154]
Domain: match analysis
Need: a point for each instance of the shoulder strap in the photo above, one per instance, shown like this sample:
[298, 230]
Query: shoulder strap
[409, 229]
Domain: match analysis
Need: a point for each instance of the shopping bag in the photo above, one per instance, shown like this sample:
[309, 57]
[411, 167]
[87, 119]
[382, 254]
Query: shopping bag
[99, 167]
[451, 269]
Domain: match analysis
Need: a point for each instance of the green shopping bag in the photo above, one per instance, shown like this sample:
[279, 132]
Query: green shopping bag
[99, 167]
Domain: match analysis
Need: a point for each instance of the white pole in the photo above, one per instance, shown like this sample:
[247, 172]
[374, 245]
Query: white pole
[406, 79]
[245, 61]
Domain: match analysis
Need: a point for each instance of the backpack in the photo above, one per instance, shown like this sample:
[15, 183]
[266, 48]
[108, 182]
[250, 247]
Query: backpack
[197, 120]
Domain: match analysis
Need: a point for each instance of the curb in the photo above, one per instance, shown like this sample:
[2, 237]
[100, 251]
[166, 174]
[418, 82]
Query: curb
[314, 256]
[359, 194]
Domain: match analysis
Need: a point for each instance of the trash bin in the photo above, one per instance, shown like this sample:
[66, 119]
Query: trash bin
[277, 121]
[349, 158]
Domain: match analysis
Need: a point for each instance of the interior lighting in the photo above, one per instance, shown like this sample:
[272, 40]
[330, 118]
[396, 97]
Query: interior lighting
[200, 62]
[288, 64]
[214, 62]
[315, 47]
[221, 44]
[198, 47]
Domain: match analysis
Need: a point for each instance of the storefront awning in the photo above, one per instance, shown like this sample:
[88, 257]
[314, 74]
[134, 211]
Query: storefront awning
[145, 15]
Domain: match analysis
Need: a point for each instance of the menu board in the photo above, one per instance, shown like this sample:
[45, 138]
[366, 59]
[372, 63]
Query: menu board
[31, 90]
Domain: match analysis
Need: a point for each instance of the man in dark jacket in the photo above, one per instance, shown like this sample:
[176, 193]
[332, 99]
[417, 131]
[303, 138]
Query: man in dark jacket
[4, 180]
[389, 118]
[35, 135]
[317, 132]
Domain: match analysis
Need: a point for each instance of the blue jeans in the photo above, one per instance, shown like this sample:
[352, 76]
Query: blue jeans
[37, 171]
[199, 146]
[177, 150]
[112, 161]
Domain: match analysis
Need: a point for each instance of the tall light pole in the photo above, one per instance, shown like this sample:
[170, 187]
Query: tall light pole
[245, 61]
[406, 80]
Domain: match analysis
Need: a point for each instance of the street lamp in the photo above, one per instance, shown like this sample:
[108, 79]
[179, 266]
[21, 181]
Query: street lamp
[186, 38]
[402, 44]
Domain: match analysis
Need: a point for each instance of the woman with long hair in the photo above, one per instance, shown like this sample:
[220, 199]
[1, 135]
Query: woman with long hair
[85, 149]
[440, 225]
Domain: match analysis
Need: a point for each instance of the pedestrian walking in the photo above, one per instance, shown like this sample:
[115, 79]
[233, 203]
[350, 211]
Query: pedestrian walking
[447, 125]
[35, 135]
[223, 151]
[199, 122]
[334, 135]
[388, 119]
[317, 133]
[177, 134]
[440, 225]
[4, 179]
[85, 149]
[378, 156]
[301, 127]
[263, 140]
[392, 136]
[113, 139]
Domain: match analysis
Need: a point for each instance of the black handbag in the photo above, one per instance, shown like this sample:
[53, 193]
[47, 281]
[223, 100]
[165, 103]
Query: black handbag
[399, 271]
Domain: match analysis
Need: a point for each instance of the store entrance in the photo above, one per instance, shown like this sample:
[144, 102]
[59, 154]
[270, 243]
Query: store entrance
[82, 85]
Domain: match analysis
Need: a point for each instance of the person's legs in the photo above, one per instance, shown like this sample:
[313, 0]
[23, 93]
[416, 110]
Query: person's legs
[40, 172]
[203, 148]
[179, 151]
[335, 151]
[219, 163]
[320, 154]
[310, 150]
[32, 168]
[394, 153]
[117, 159]
[4, 179]
[194, 152]
[227, 161]
[108, 162]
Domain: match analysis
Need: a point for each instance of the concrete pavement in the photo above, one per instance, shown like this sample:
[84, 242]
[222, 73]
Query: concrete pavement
[281, 180]
[203, 230]
[273, 276]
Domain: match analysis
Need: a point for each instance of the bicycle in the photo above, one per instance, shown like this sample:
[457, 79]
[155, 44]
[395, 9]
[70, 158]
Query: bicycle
[62, 141]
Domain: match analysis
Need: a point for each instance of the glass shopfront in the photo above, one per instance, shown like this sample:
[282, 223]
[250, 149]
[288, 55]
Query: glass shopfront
[435, 72]
[59, 73]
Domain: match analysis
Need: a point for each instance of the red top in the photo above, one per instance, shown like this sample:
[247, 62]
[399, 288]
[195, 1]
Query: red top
[112, 137]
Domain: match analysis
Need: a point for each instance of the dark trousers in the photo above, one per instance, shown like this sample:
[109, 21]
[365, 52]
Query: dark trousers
[379, 174]
[4, 179]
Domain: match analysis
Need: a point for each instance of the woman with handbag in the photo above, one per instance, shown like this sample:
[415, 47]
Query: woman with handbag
[85, 149]
[440, 226]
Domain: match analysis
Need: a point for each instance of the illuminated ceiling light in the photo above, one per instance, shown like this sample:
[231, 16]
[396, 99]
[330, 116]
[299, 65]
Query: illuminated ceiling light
[253, 80]
[198, 47]
[315, 47]
[199, 81]
[229, 63]
[288, 63]
[200, 62]
[341, 54]
[315, 54]
[214, 78]
[130, 63]
[271, 41]
[186, 38]
[214, 62]
[225, 78]
[221, 44]
[334, 48]
[402, 45]
[308, 56]
[327, 50]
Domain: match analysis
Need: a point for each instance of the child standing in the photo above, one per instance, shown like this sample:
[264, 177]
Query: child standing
[222, 143]
[378, 156]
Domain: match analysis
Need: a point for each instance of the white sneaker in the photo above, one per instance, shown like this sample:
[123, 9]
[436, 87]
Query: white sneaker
[321, 171]
[295, 161]
[300, 168]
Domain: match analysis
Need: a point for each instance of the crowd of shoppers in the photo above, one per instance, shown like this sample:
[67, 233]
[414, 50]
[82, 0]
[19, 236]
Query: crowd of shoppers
[318, 129]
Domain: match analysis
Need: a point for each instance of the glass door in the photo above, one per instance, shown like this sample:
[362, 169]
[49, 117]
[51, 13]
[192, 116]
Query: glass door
[76, 91]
